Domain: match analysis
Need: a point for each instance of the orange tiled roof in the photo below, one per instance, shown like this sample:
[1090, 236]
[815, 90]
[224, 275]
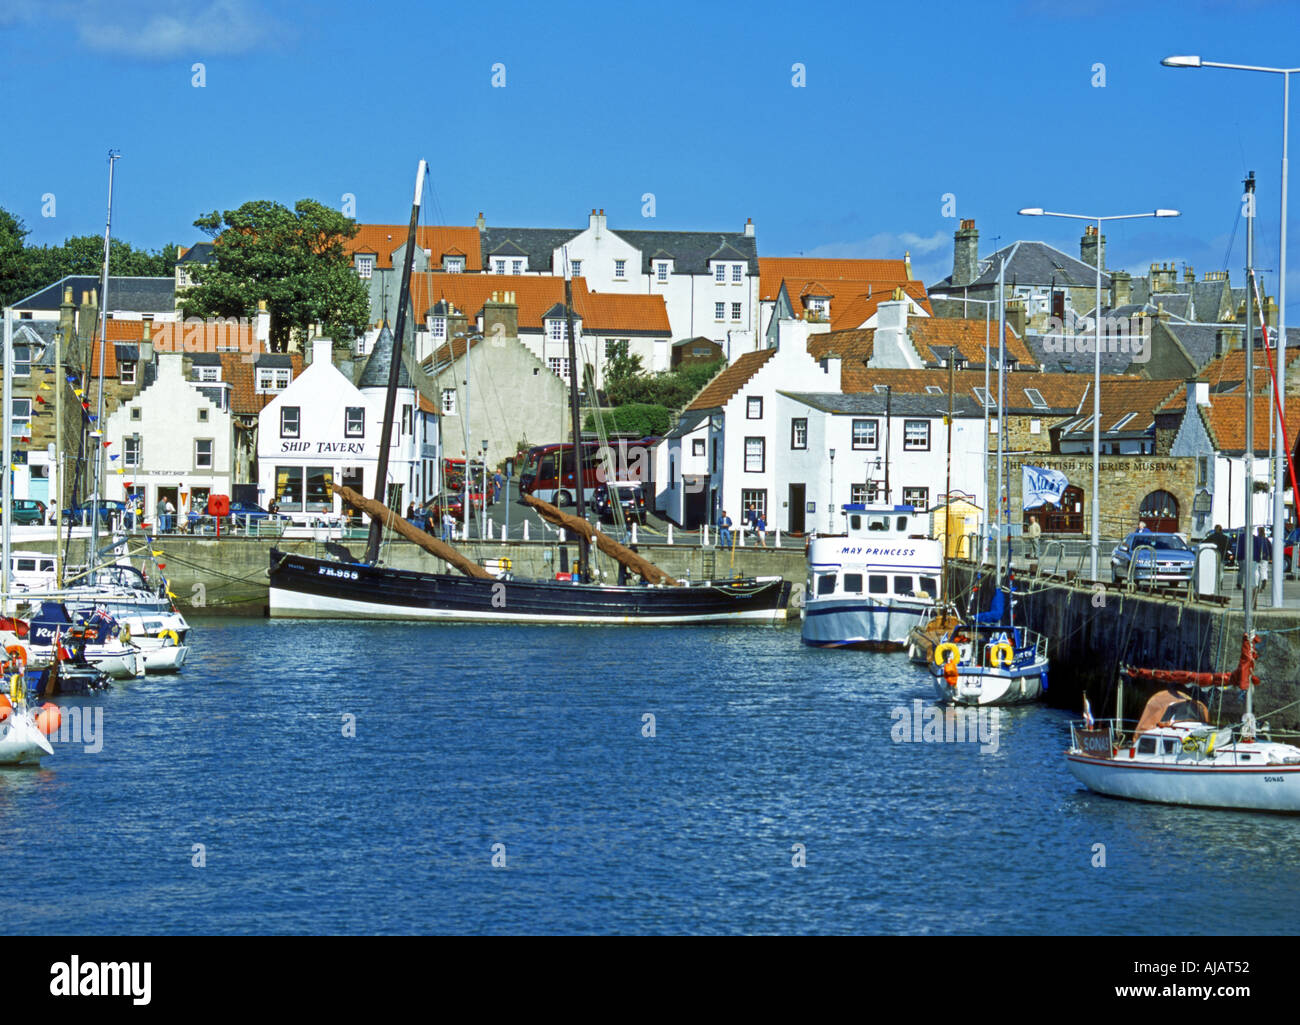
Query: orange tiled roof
[967, 336]
[534, 294]
[242, 375]
[609, 312]
[772, 270]
[383, 239]
[730, 380]
[1137, 395]
[1225, 417]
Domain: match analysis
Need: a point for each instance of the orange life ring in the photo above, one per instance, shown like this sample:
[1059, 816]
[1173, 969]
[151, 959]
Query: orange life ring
[19, 652]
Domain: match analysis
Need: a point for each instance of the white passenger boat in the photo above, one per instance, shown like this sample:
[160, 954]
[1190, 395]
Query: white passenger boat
[871, 586]
[1175, 756]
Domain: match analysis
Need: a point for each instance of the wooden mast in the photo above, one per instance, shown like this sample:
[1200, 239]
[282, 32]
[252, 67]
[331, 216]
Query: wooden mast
[584, 558]
[394, 375]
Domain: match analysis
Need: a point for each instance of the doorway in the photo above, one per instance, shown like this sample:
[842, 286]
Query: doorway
[797, 493]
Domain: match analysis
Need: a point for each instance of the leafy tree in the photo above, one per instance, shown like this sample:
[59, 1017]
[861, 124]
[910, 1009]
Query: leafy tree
[672, 389]
[12, 268]
[641, 419]
[620, 366]
[294, 259]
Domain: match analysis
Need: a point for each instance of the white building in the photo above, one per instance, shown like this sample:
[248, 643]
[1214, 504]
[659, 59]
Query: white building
[172, 441]
[324, 430]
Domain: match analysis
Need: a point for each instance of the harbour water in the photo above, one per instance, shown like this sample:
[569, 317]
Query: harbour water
[234, 798]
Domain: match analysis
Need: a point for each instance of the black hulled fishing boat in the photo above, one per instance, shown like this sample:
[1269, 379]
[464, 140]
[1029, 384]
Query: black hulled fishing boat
[305, 586]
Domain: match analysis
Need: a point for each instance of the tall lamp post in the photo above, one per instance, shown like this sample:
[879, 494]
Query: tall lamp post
[1279, 470]
[1038, 211]
[830, 500]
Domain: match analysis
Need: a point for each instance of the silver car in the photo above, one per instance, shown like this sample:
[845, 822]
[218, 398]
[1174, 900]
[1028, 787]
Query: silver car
[1171, 561]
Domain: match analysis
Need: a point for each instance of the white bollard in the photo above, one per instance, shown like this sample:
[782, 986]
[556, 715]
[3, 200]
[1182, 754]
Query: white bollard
[634, 531]
[670, 533]
[704, 535]
[503, 532]
[563, 536]
[525, 530]
[776, 538]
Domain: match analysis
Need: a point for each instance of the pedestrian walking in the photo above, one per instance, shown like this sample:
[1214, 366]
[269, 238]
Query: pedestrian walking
[448, 526]
[760, 526]
[497, 483]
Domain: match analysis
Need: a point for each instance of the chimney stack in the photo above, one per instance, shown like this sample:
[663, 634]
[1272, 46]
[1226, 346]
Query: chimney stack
[480, 223]
[965, 257]
[1092, 247]
[1016, 316]
[1121, 288]
[749, 226]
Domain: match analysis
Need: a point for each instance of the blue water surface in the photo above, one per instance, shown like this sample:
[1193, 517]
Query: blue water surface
[527, 746]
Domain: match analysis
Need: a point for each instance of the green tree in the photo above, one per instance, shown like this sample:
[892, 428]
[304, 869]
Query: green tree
[12, 265]
[641, 419]
[620, 366]
[294, 259]
[672, 389]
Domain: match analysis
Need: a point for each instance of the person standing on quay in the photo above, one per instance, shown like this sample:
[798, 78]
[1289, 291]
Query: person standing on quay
[724, 530]
[1033, 532]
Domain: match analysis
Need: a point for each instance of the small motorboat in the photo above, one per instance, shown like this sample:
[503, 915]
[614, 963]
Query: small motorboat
[162, 654]
[990, 661]
[22, 731]
[97, 640]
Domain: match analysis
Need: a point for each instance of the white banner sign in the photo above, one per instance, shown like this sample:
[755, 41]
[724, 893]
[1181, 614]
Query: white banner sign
[1041, 487]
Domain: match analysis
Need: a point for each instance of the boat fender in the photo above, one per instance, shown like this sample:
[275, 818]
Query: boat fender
[17, 651]
[125, 634]
[950, 673]
[1002, 654]
[945, 652]
[48, 719]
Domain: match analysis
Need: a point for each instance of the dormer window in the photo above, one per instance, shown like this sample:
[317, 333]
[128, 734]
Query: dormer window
[438, 327]
[661, 271]
[557, 330]
[128, 373]
[207, 374]
[453, 264]
[365, 266]
[498, 266]
[272, 379]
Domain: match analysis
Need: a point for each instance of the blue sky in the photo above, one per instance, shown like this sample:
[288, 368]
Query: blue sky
[903, 104]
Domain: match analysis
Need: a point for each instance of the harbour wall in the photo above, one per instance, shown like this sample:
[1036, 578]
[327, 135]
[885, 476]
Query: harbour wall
[213, 576]
[1094, 628]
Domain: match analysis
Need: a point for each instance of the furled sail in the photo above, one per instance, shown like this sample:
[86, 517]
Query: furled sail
[430, 544]
[647, 570]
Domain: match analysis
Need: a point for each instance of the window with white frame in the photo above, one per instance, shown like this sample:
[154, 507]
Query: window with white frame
[755, 455]
[918, 498]
[438, 328]
[126, 372]
[131, 451]
[449, 401]
[754, 407]
[916, 435]
[202, 414]
[557, 329]
[453, 264]
[408, 422]
[577, 268]
[737, 273]
[22, 418]
[719, 311]
[661, 271]
[272, 379]
[865, 433]
[755, 498]
[290, 421]
[559, 366]
[365, 266]
[862, 494]
[620, 269]
[207, 374]
[354, 422]
[23, 361]
[799, 432]
[735, 311]
[498, 266]
[516, 266]
[203, 453]
[720, 273]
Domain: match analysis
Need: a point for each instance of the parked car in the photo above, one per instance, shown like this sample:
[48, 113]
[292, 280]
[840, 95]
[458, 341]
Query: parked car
[1291, 538]
[630, 496]
[28, 512]
[108, 509]
[1172, 561]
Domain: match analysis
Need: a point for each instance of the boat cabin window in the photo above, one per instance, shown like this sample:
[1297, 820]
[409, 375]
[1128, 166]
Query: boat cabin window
[1170, 747]
[878, 585]
[1147, 746]
[47, 565]
[902, 523]
[878, 523]
[903, 585]
[852, 583]
[26, 566]
[855, 522]
[826, 583]
[930, 586]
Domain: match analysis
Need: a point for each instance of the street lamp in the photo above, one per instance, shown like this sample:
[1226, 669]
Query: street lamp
[483, 520]
[1038, 211]
[830, 502]
[1279, 472]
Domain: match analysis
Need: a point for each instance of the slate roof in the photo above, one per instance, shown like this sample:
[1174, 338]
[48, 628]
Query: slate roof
[1052, 354]
[374, 374]
[688, 422]
[1033, 263]
[927, 404]
[539, 243]
[129, 294]
[200, 252]
[510, 248]
[692, 250]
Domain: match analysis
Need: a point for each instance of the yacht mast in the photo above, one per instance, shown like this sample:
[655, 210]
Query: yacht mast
[97, 434]
[1248, 590]
[574, 412]
[8, 499]
[394, 375]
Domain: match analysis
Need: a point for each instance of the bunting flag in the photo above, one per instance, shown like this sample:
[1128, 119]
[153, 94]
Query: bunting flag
[119, 469]
[72, 379]
[40, 400]
[45, 386]
[155, 554]
[106, 444]
[77, 391]
[162, 565]
[114, 455]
